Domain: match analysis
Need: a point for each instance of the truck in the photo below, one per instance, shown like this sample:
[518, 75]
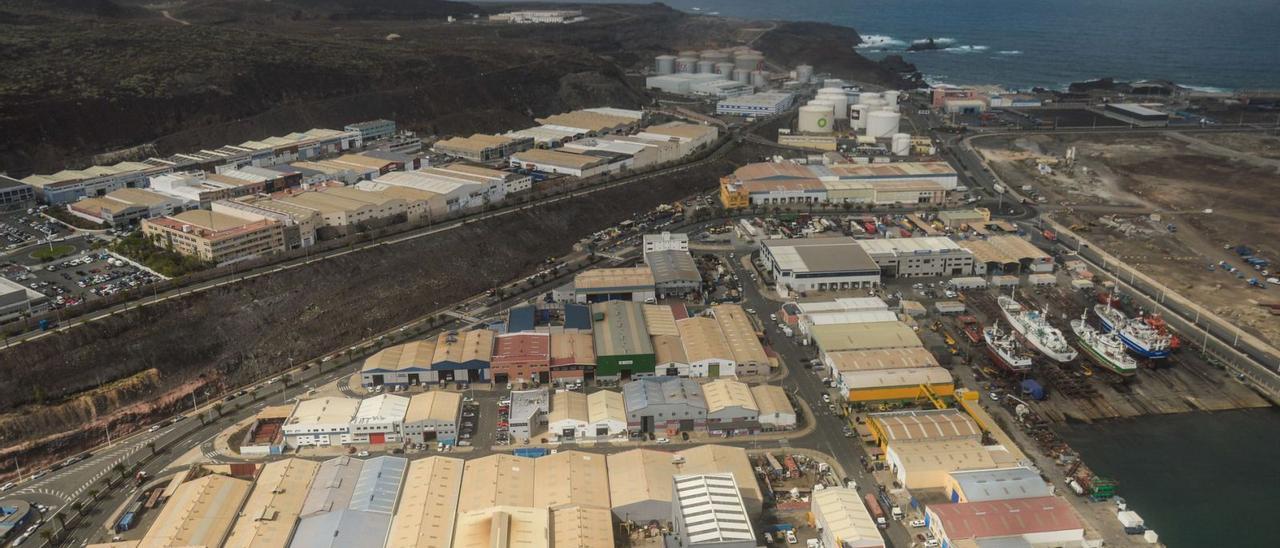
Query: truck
[140, 478]
[531, 452]
[1050, 235]
[876, 512]
[129, 518]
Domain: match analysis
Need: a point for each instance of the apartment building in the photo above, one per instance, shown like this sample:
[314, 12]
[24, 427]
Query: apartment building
[216, 237]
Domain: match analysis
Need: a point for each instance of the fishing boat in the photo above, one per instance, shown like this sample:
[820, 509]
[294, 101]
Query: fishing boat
[1105, 349]
[1136, 334]
[1035, 329]
[1005, 350]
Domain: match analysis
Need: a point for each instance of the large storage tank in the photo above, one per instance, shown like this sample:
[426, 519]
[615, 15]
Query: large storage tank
[815, 119]
[688, 53]
[901, 144]
[882, 124]
[838, 99]
[804, 73]
[858, 116]
[759, 79]
[706, 67]
[715, 55]
[749, 61]
[686, 64]
[871, 99]
[742, 75]
[665, 64]
[833, 83]
[825, 104]
[725, 68]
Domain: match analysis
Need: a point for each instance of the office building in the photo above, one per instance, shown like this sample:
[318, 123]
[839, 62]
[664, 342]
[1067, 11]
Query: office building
[818, 264]
[919, 257]
[218, 238]
[15, 194]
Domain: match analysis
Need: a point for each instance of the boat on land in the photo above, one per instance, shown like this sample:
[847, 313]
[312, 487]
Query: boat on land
[1105, 349]
[1034, 328]
[1005, 350]
[1137, 334]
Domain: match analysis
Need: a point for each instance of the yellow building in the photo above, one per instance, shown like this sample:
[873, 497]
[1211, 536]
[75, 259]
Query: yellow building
[888, 385]
[733, 195]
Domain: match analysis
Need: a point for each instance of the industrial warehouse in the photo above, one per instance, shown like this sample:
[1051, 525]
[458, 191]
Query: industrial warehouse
[787, 183]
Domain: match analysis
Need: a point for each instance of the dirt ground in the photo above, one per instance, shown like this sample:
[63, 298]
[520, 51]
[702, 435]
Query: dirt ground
[1124, 191]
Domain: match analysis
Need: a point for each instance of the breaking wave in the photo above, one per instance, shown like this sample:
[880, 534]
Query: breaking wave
[1009, 52]
[880, 41]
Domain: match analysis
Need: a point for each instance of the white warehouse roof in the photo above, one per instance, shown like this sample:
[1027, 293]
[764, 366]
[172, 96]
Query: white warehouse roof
[711, 508]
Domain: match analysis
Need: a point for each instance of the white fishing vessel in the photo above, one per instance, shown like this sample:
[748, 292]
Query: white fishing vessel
[1034, 328]
[1106, 349]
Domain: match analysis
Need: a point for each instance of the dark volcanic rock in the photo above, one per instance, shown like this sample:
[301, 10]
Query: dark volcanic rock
[926, 45]
[829, 48]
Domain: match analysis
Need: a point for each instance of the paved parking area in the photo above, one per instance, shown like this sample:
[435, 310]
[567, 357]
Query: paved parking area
[83, 275]
[18, 228]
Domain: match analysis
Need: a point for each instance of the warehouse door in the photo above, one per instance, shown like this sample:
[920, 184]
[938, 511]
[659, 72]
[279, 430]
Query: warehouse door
[686, 425]
[378, 438]
[646, 424]
[714, 370]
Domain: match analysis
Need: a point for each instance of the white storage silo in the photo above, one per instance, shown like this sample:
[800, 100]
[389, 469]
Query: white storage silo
[901, 144]
[706, 67]
[725, 68]
[891, 97]
[665, 64]
[749, 61]
[871, 100]
[759, 80]
[804, 73]
[833, 83]
[858, 116]
[742, 75]
[686, 64]
[715, 56]
[815, 119]
[838, 99]
[881, 124]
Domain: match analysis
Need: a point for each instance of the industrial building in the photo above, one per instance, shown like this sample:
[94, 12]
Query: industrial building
[576, 416]
[894, 385]
[404, 365]
[610, 284]
[782, 183]
[923, 425]
[706, 351]
[528, 414]
[273, 507]
[125, 207]
[996, 484]
[429, 504]
[921, 465]
[704, 84]
[841, 361]
[1007, 255]
[69, 185]
[379, 419]
[567, 163]
[807, 322]
[688, 138]
[433, 417]
[1137, 115]
[218, 238]
[960, 219]
[538, 17]
[756, 104]
[708, 511]
[665, 404]
[792, 313]
[1040, 521]
[665, 241]
[919, 257]
[843, 520]
[864, 336]
[200, 512]
[16, 299]
[463, 356]
[351, 503]
[522, 358]
[320, 421]
[675, 274]
[373, 130]
[731, 408]
[573, 356]
[776, 411]
[15, 194]
[749, 357]
[622, 345]
[483, 149]
[596, 122]
[640, 479]
[818, 264]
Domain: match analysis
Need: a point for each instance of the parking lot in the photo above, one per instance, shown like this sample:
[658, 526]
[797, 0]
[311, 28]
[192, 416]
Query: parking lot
[84, 275]
[24, 227]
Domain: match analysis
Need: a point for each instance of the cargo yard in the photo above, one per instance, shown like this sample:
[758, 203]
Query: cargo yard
[1171, 204]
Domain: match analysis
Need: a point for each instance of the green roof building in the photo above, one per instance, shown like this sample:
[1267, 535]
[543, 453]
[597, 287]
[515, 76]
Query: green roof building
[623, 346]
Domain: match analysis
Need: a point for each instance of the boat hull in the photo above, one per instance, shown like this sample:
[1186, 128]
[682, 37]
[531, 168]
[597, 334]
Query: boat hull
[1105, 362]
[1133, 344]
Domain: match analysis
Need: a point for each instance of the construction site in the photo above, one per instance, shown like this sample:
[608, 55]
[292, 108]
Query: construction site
[1172, 204]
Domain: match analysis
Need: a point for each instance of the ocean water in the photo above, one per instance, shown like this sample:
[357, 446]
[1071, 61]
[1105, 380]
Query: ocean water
[1200, 479]
[1222, 44]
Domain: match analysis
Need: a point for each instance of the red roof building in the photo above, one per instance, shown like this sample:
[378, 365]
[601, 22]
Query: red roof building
[521, 357]
[1039, 521]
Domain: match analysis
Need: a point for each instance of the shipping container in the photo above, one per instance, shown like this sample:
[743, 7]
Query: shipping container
[876, 512]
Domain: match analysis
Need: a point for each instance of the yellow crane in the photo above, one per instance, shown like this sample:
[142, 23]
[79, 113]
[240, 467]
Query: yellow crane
[927, 392]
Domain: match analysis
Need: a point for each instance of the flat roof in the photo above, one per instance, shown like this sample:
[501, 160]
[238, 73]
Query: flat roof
[429, 503]
[850, 316]
[436, 405]
[864, 336]
[844, 304]
[273, 507]
[1005, 518]
[889, 378]
[846, 517]
[881, 359]
[1000, 484]
[416, 354]
[603, 279]
[926, 425]
[767, 99]
[771, 399]
[557, 158]
[722, 394]
[818, 255]
[622, 331]
[703, 339]
[199, 513]
[660, 320]
[1003, 249]
[211, 220]
[711, 508]
[326, 410]
[908, 246]
[1136, 108]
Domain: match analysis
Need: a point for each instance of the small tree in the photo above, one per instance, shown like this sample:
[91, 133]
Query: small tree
[119, 469]
[61, 519]
[78, 506]
[285, 379]
[217, 408]
[93, 493]
[47, 535]
[152, 446]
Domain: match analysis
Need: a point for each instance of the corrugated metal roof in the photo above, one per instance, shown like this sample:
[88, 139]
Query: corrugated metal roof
[711, 508]
[429, 504]
[1000, 484]
[922, 425]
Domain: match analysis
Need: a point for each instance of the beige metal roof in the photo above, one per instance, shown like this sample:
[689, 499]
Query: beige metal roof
[1003, 249]
[428, 504]
[581, 119]
[944, 456]
[683, 130]
[669, 349]
[606, 405]
[608, 278]
[660, 320]
[199, 513]
[846, 517]
[926, 425]
[771, 399]
[475, 143]
[895, 169]
[475, 344]
[437, 405]
[889, 378]
[210, 220]
[716, 459]
[643, 474]
[703, 340]
[725, 393]
[504, 527]
[268, 516]
[405, 356]
[571, 478]
[327, 410]
[579, 527]
[864, 336]
[739, 332]
[572, 347]
[139, 196]
[557, 158]
[885, 358]
[497, 480]
[568, 405]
